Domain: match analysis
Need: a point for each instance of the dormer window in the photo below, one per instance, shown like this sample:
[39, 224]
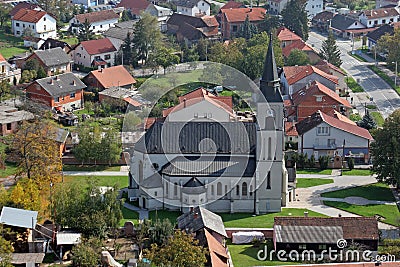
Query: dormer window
[318, 98]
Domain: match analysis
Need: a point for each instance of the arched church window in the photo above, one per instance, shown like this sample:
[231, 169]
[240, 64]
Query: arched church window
[244, 189]
[219, 189]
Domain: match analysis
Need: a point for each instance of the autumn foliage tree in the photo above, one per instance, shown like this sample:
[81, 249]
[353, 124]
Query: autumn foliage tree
[26, 195]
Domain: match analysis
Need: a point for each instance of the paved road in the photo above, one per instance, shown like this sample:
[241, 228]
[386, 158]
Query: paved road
[384, 97]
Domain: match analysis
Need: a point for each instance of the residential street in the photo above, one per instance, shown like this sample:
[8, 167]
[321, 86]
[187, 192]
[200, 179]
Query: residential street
[384, 97]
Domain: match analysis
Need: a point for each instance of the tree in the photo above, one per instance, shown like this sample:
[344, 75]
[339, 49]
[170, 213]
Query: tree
[4, 14]
[38, 153]
[85, 32]
[323, 162]
[127, 53]
[294, 17]
[203, 45]
[6, 249]
[270, 23]
[41, 73]
[180, 250]
[84, 208]
[312, 161]
[26, 195]
[87, 253]
[131, 121]
[125, 15]
[4, 88]
[389, 44]
[164, 57]
[297, 57]
[247, 30]
[350, 163]
[189, 54]
[386, 151]
[31, 64]
[330, 51]
[147, 36]
[367, 121]
[110, 146]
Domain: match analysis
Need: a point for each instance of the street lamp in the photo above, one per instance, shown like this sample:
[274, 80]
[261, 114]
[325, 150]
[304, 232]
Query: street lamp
[395, 74]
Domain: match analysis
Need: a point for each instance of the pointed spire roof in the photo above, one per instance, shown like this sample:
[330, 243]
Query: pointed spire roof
[269, 84]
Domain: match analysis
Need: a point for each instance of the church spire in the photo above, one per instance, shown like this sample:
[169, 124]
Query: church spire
[269, 84]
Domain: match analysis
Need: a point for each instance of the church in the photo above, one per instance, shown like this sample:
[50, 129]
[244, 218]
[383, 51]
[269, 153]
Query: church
[202, 155]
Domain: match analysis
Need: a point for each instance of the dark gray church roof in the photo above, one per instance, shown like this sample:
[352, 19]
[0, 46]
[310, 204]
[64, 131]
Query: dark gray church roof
[199, 137]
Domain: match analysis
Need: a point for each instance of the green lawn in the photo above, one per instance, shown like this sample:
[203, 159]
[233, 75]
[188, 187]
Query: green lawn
[353, 85]
[11, 45]
[377, 191]
[70, 40]
[164, 214]
[121, 181]
[356, 172]
[390, 213]
[129, 215]
[247, 220]
[246, 256]
[91, 168]
[11, 169]
[378, 118]
[310, 182]
[315, 171]
[358, 57]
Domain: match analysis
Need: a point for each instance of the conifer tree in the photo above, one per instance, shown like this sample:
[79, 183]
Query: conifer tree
[330, 51]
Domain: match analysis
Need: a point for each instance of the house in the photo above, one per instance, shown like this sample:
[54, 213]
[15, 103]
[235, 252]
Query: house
[322, 20]
[119, 32]
[116, 76]
[377, 17]
[98, 53]
[40, 23]
[233, 4]
[191, 29]
[100, 21]
[313, 56]
[331, 69]
[86, 3]
[374, 36]
[286, 36]
[135, 7]
[291, 134]
[53, 43]
[11, 118]
[316, 96]
[321, 134]
[24, 5]
[293, 233]
[385, 3]
[60, 135]
[276, 6]
[161, 13]
[294, 78]
[33, 42]
[218, 108]
[194, 8]
[124, 97]
[54, 61]
[313, 7]
[8, 71]
[346, 26]
[232, 19]
[61, 92]
[208, 228]
[197, 170]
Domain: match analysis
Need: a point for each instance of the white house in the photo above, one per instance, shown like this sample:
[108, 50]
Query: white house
[193, 7]
[98, 53]
[225, 166]
[384, 3]
[380, 16]
[38, 22]
[313, 7]
[86, 3]
[276, 6]
[99, 21]
[162, 14]
[321, 134]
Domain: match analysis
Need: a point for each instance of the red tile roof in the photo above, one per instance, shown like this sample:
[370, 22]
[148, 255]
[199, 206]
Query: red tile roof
[314, 89]
[23, 5]
[232, 4]
[294, 74]
[365, 228]
[135, 6]
[210, 21]
[325, 66]
[99, 46]
[97, 16]
[113, 76]
[284, 34]
[341, 117]
[2, 59]
[290, 129]
[298, 44]
[218, 255]
[29, 15]
[347, 127]
[240, 14]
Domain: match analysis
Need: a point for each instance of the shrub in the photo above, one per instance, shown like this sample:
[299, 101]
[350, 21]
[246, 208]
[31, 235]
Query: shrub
[312, 161]
[323, 162]
[350, 163]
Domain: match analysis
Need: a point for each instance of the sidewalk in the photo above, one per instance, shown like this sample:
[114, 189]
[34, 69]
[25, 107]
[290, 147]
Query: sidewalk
[143, 214]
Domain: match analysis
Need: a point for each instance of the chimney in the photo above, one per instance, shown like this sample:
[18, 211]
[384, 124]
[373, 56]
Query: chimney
[306, 214]
[340, 215]
[57, 78]
[51, 81]
[196, 215]
[73, 83]
[184, 102]
[191, 209]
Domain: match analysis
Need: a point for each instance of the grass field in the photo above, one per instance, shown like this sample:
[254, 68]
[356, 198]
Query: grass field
[356, 172]
[164, 214]
[390, 213]
[129, 215]
[377, 118]
[11, 45]
[353, 85]
[121, 181]
[247, 220]
[377, 191]
[70, 40]
[91, 168]
[11, 169]
[315, 171]
[246, 256]
[310, 182]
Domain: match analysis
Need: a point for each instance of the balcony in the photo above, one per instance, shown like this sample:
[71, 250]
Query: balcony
[325, 147]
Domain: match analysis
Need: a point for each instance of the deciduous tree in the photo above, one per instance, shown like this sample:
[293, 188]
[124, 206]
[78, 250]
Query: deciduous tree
[26, 195]
[330, 51]
[297, 57]
[164, 57]
[87, 253]
[389, 44]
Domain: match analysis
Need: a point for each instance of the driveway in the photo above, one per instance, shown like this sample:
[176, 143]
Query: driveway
[384, 97]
